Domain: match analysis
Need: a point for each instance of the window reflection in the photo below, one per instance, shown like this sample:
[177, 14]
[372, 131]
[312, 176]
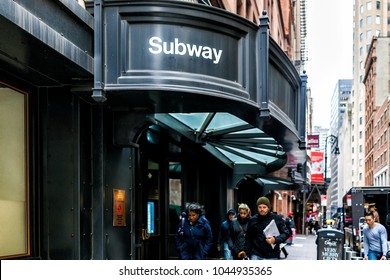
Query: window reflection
[14, 218]
[175, 195]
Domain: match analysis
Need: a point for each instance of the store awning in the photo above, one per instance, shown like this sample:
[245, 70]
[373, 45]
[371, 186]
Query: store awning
[238, 144]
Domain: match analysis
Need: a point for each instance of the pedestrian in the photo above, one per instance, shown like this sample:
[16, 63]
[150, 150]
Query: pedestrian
[237, 231]
[261, 245]
[224, 235]
[290, 224]
[375, 212]
[375, 239]
[194, 236]
[283, 245]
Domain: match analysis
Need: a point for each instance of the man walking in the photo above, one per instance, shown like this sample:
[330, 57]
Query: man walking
[375, 239]
[260, 245]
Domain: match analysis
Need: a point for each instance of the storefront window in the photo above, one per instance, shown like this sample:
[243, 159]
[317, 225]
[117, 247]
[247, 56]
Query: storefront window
[14, 218]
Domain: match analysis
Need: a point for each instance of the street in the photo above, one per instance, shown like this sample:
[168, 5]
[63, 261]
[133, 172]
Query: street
[303, 248]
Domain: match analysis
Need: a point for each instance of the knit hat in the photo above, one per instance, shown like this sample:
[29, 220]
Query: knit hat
[263, 200]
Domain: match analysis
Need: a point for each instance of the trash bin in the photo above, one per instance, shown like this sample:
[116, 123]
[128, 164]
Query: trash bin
[330, 244]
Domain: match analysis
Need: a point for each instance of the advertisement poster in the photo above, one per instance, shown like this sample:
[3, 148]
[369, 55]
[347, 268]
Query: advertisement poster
[317, 167]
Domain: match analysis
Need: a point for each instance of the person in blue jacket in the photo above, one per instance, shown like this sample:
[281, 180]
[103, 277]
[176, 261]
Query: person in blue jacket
[223, 236]
[194, 236]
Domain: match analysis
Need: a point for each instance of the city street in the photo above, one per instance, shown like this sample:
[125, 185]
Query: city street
[303, 248]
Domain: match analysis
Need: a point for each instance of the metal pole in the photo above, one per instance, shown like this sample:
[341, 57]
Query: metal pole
[336, 151]
[304, 214]
[326, 159]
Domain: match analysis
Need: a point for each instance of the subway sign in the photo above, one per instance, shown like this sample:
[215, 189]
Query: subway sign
[158, 47]
[177, 48]
[163, 47]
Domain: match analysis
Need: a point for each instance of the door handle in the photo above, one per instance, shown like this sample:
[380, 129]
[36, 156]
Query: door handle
[145, 234]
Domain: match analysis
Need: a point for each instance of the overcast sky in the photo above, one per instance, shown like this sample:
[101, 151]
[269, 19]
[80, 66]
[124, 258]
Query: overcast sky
[329, 31]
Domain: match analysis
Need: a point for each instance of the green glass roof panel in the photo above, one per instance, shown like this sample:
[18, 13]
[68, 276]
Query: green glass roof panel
[257, 156]
[223, 121]
[235, 158]
[192, 120]
[229, 138]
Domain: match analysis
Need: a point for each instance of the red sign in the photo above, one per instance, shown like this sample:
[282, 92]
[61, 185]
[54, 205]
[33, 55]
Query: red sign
[323, 200]
[349, 200]
[317, 167]
[313, 141]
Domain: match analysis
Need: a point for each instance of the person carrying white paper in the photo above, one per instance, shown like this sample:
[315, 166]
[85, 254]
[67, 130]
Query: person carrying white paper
[262, 245]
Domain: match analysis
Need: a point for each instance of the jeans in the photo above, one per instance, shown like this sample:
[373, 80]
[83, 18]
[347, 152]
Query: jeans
[227, 253]
[374, 255]
[256, 258]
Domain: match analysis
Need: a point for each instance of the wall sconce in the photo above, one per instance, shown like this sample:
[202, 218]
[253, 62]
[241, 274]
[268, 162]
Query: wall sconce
[279, 195]
[293, 197]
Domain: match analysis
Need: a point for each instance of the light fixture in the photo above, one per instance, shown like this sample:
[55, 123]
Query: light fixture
[279, 195]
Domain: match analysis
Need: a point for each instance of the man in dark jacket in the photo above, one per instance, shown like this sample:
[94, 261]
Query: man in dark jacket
[258, 245]
[224, 235]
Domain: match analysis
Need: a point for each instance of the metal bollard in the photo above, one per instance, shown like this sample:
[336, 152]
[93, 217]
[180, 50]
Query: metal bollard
[350, 254]
[346, 248]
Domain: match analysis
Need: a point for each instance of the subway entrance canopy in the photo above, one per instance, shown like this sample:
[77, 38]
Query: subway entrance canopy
[240, 97]
[241, 146]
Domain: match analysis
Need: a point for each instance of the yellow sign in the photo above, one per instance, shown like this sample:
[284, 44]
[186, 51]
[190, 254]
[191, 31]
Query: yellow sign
[119, 213]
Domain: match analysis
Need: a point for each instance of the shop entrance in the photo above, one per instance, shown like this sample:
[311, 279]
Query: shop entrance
[158, 199]
[248, 192]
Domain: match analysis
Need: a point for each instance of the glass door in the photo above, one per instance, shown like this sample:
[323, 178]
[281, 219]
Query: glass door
[175, 205]
[151, 225]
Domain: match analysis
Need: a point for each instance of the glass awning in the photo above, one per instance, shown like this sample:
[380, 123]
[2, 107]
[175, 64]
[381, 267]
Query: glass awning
[235, 142]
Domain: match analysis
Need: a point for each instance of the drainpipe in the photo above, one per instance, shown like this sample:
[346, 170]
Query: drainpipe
[263, 52]
[98, 93]
[302, 112]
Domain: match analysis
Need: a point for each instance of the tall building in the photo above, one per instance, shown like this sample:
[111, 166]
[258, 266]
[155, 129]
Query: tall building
[323, 133]
[339, 105]
[287, 22]
[370, 19]
[345, 156]
[376, 82]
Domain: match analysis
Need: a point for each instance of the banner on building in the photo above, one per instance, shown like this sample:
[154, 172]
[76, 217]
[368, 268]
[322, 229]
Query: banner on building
[323, 200]
[317, 167]
[313, 141]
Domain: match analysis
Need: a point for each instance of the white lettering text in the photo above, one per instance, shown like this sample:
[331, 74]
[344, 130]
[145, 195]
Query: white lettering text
[158, 46]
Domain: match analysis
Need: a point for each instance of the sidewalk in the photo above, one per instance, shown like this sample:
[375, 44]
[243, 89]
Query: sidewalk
[303, 248]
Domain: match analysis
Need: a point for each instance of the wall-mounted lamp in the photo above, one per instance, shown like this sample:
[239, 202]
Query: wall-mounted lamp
[279, 195]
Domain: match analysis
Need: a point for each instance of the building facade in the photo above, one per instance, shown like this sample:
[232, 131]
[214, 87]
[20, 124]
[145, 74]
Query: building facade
[118, 114]
[370, 19]
[376, 81]
[339, 105]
